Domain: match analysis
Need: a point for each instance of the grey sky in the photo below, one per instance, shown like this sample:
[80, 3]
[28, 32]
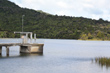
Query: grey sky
[94, 9]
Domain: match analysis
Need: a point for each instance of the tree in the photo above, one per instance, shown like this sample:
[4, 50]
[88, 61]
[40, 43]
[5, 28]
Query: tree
[84, 37]
[100, 35]
[90, 36]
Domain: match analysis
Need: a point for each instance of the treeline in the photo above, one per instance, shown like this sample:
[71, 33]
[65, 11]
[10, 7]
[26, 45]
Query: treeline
[46, 25]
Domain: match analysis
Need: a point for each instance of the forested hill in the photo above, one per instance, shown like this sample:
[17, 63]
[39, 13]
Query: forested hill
[46, 25]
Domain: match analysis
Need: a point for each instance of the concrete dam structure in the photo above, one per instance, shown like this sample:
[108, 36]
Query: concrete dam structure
[25, 47]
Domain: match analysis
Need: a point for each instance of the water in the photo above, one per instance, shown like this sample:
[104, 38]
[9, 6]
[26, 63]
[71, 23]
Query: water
[60, 56]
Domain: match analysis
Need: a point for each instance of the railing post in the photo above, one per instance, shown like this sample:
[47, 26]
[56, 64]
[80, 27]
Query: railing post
[26, 37]
[31, 38]
[35, 38]
[31, 35]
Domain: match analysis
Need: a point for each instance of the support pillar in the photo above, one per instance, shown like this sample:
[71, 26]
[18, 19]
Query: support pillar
[7, 50]
[0, 50]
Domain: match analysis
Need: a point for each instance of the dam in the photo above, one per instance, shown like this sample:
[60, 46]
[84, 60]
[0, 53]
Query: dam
[25, 46]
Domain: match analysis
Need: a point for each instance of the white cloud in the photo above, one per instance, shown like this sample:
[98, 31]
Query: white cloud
[87, 8]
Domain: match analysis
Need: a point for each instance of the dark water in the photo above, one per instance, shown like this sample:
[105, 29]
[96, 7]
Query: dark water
[60, 56]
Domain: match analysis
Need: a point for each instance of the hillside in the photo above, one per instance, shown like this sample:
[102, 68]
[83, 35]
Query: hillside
[50, 26]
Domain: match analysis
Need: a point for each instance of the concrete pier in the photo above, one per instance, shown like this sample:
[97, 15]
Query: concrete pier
[24, 48]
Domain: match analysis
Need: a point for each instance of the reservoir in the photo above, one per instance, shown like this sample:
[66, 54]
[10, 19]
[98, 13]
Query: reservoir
[59, 56]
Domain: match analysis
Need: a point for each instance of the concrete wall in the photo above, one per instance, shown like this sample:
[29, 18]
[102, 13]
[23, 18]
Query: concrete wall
[25, 49]
[35, 49]
[31, 48]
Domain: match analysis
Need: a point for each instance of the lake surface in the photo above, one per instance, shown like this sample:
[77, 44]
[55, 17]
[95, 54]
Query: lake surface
[59, 56]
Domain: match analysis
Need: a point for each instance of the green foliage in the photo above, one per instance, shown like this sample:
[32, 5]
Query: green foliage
[90, 36]
[84, 37]
[2, 34]
[49, 26]
[100, 35]
[5, 34]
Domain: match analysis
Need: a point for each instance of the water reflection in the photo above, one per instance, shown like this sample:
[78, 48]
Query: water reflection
[21, 55]
[35, 54]
[79, 59]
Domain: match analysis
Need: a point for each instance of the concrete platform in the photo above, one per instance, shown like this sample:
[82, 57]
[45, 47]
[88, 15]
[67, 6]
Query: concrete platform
[24, 48]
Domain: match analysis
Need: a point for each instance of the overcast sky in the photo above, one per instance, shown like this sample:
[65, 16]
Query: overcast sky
[94, 9]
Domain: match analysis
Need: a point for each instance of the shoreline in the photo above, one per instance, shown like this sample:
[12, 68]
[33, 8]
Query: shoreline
[93, 40]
